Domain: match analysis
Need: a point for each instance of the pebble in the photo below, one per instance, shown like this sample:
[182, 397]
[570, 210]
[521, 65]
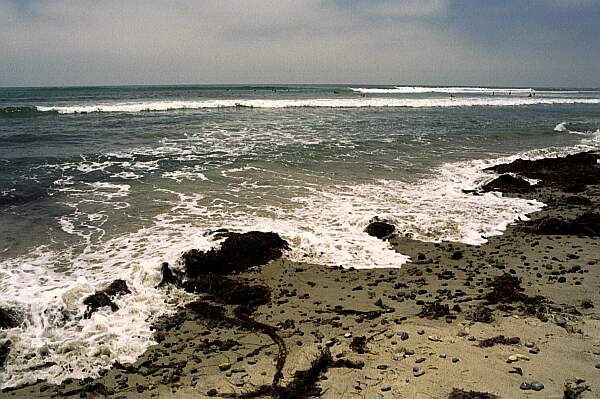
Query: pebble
[521, 357]
[348, 335]
[472, 338]
[382, 367]
[419, 373]
[529, 344]
[512, 358]
[537, 386]
[212, 392]
[421, 332]
[598, 366]
[455, 360]
[403, 335]
[560, 321]
[434, 338]
[442, 355]
[238, 382]
[224, 366]
[386, 387]
[420, 360]
[535, 350]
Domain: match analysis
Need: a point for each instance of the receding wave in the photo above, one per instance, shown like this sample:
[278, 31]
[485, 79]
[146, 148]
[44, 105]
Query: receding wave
[313, 103]
[461, 90]
[24, 112]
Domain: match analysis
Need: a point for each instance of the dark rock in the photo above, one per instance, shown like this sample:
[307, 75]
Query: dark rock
[97, 301]
[117, 287]
[104, 298]
[229, 291]
[239, 252]
[359, 344]
[10, 318]
[434, 310]
[578, 200]
[4, 351]
[460, 394]
[482, 314]
[456, 255]
[587, 224]
[169, 276]
[500, 339]
[380, 229]
[508, 184]
[537, 386]
[575, 390]
[571, 173]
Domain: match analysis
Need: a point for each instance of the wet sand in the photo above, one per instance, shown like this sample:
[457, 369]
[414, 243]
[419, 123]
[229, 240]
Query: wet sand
[406, 351]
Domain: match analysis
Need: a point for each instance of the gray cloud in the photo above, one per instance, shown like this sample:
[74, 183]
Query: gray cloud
[285, 41]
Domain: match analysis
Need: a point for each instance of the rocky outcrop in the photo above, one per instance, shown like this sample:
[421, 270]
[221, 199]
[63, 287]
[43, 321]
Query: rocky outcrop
[239, 252]
[508, 184]
[571, 173]
[587, 224]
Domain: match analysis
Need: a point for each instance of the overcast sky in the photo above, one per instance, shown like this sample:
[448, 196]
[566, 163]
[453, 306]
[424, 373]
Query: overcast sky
[449, 42]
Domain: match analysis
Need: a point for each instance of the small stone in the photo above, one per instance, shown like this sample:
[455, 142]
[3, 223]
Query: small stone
[512, 358]
[529, 344]
[382, 367]
[455, 360]
[386, 387]
[535, 350]
[434, 338]
[537, 386]
[472, 338]
[598, 366]
[212, 392]
[420, 360]
[525, 386]
[403, 335]
[224, 366]
[419, 373]
[521, 357]
[421, 332]
[442, 355]
[348, 335]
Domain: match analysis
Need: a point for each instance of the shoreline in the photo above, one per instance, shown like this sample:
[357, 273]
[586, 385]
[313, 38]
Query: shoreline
[316, 308]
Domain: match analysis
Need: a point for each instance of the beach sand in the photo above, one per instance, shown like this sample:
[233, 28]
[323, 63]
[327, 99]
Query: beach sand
[322, 310]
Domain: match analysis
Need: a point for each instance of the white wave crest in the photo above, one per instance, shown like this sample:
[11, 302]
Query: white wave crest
[132, 107]
[461, 90]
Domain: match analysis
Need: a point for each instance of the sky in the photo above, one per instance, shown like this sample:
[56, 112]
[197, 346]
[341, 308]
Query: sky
[447, 42]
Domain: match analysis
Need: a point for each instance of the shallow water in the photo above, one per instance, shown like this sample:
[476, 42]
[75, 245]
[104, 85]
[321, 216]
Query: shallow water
[105, 183]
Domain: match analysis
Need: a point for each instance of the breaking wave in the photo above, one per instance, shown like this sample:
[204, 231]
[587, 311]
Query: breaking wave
[131, 107]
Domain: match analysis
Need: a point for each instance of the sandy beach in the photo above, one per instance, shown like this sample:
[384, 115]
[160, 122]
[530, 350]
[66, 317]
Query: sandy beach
[516, 317]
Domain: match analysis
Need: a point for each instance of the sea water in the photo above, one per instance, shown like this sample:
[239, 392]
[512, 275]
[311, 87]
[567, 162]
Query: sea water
[100, 183]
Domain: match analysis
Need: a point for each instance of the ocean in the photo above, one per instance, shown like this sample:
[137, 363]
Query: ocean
[101, 183]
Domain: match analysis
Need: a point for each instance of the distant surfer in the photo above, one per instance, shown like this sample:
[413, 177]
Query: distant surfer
[451, 97]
